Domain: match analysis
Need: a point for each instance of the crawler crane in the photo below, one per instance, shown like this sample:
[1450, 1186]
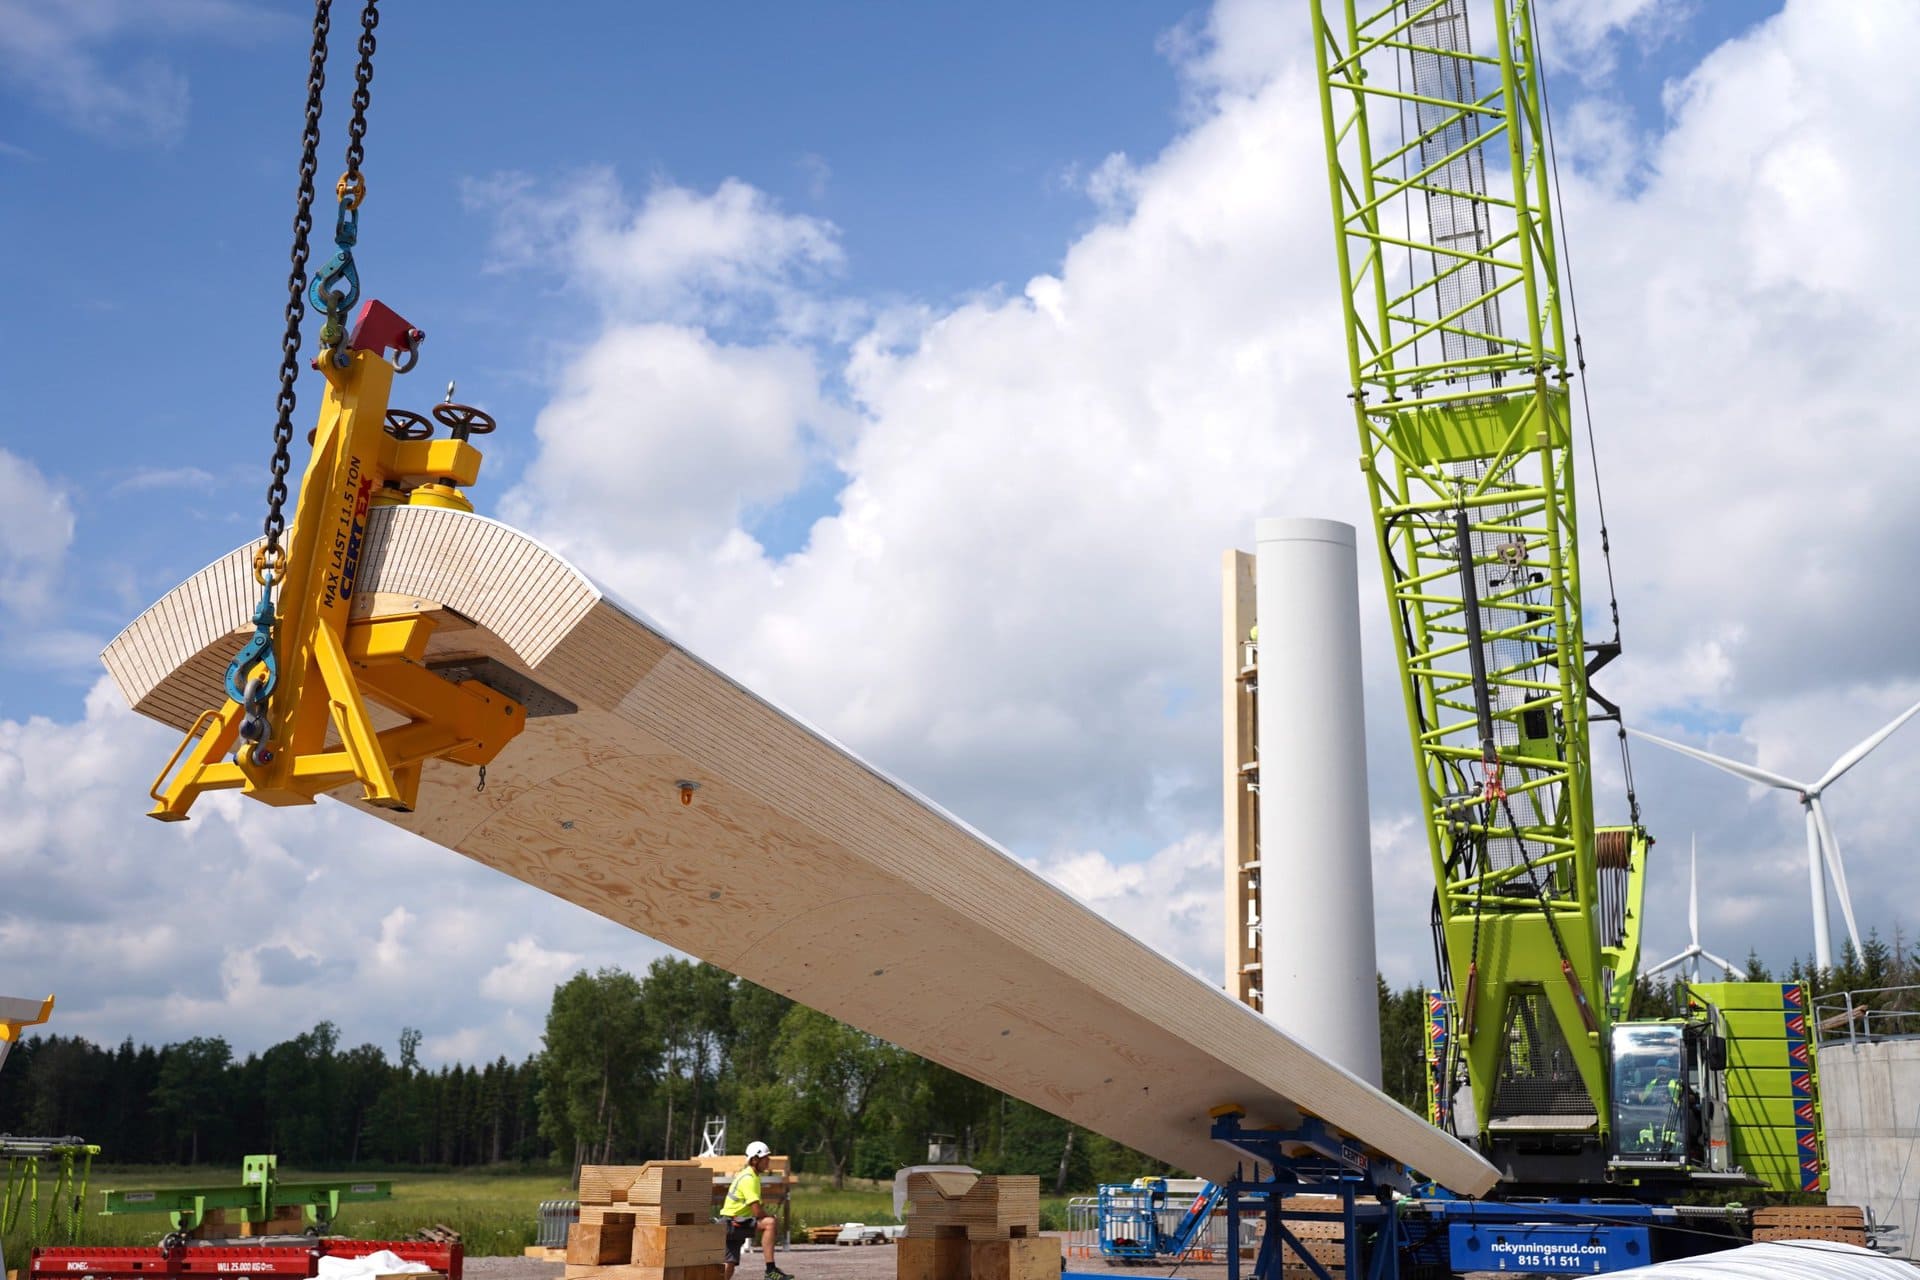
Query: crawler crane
[1440, 169]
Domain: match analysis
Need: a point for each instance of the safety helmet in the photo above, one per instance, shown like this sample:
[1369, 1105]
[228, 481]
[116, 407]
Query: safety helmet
[757, 1149]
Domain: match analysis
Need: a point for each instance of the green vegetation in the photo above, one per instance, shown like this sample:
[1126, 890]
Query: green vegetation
[631, 1069]
[494, 1211]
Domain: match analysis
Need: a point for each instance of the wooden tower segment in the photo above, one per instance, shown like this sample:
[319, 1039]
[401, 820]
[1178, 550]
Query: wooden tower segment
[794, 864]
[1240, 773]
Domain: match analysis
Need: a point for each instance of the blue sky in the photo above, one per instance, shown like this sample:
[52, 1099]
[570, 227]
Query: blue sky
[150, 248]
[863, 342]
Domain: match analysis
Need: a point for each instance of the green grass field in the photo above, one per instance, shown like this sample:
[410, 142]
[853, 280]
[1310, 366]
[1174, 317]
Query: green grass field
[494, 1212]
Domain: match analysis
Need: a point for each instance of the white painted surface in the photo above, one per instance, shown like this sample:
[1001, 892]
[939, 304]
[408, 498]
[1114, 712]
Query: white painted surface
[1777, 1260]
[1316, 887]
[1870, 1094]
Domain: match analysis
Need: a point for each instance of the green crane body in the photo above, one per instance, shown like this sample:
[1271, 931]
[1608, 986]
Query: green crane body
[1439, 167]
[1444, 229]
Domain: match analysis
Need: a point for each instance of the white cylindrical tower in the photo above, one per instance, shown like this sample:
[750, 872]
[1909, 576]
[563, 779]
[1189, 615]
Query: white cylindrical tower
[1316, 883]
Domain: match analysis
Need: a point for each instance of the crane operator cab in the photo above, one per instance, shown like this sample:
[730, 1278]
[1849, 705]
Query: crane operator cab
[1669, 1098]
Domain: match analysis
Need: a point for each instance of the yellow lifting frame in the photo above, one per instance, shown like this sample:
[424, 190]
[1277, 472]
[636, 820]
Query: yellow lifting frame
[332, 666]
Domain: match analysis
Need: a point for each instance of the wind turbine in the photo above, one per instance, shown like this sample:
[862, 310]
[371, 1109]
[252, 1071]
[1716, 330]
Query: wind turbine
[1695, 952]
[1822, 848]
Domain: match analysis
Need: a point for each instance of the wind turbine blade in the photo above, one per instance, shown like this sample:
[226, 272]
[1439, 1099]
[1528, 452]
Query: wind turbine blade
[1668, 964]
[1830, 853]
[1736, 974]
[1739, 768]
[1817, 887]
[1861, 752]
[1693, 891]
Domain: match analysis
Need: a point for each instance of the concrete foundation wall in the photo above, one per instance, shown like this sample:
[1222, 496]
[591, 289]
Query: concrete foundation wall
[1870, 1093]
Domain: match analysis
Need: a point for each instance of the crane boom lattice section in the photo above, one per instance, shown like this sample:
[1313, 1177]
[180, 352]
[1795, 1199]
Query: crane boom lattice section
[1438, 169]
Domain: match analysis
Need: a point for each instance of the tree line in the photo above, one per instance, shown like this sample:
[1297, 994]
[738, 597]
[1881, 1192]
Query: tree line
[631, 1067]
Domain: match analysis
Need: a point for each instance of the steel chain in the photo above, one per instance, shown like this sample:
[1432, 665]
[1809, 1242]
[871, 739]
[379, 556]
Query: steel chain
[362, 96]
[337, 287]
[268, 563]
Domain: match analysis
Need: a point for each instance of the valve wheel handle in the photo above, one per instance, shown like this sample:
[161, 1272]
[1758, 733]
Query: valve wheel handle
[463, 420]
[405, 424]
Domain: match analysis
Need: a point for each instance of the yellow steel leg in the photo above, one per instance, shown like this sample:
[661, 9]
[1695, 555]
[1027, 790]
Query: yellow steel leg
[357, 734]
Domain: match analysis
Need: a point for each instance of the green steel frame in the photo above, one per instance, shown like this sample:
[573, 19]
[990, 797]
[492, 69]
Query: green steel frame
[259, 1198]
[1458, 361]
[71, 1163]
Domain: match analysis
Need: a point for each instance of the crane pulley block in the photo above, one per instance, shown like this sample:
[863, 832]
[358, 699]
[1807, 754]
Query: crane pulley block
[319, 666]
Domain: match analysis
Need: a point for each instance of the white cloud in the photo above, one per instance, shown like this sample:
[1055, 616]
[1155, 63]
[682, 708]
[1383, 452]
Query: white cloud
[324, 913]
[92, 66]
[529, 973]
[36, 528]
[717, 257]
[1586, 36]
[1024, 553]
[1169, 900]
[146, 478]
[669, 437]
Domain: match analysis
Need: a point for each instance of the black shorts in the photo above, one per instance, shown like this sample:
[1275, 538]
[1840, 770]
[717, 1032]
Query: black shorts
[739, 1232]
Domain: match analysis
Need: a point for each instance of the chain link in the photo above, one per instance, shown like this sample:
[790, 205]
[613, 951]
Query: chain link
[337, 287]
[268, 563]
[362, 96]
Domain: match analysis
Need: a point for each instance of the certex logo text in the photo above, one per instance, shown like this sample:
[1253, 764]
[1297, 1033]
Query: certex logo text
[349, 533]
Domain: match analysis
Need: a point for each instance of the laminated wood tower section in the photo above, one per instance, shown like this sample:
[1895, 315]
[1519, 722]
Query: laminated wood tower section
[795, 865]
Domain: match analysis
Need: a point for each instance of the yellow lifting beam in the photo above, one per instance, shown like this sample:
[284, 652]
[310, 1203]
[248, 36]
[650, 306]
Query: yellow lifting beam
[334, 668]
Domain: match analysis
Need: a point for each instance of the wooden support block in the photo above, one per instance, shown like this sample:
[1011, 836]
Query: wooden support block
[606, 1183]
[598, 1244]
[678, 1246]
[989, 1208]
[288, 1220]
[653, 1215]
[932, 1258]
[706, 1271]
[665, 1182]
[618, 1215]
[1331, 1254]
[1036, 1258]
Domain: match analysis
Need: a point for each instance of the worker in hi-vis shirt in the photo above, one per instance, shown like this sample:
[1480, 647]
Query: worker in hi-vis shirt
[744, 1213]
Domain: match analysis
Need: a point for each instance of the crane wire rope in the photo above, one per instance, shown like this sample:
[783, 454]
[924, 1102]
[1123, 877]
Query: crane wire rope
[1586, 403]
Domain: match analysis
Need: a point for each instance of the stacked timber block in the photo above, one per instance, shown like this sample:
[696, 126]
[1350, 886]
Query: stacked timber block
[1323, 1241]
[287, 1220]
[1844, 1223]
[646, 1222]
[964, 1227]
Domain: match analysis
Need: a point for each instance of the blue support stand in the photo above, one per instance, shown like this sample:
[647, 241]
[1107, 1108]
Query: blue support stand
[1312, 1160]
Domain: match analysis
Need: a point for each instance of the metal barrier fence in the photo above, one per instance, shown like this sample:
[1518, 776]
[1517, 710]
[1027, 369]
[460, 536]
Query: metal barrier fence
[555, 1217]
[1874, 1013]
[1083, 1227]
[1083, 1230]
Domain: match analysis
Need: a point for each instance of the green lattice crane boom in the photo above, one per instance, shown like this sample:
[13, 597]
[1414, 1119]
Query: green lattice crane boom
[1439, 170]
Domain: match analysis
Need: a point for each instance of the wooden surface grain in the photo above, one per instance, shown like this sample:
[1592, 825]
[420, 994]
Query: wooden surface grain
[797, 866]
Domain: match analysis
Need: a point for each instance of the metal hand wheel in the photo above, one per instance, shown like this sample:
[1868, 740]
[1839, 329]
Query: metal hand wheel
[463, 420]
[405, 424]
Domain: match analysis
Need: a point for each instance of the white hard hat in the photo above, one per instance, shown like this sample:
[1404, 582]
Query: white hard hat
[757, 1149]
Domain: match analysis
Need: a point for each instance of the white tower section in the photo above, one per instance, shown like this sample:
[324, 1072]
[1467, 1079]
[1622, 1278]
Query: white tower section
[1316, 883]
